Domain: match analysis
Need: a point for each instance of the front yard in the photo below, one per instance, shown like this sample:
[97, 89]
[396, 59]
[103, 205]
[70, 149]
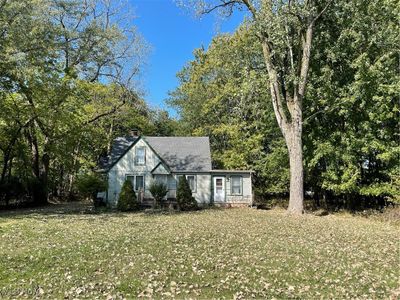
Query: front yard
[240, 253]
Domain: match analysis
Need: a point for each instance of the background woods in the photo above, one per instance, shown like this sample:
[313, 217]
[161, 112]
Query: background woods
[68, 76]
[350, 107]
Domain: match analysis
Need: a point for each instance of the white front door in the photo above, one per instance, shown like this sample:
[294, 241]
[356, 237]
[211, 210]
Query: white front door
[219, 189]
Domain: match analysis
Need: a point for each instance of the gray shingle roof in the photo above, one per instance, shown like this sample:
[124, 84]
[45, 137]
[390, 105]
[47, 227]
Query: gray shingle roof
[179, 153]
[183, 153]
[119, 147]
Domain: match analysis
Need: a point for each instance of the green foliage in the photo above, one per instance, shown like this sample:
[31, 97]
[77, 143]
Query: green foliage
[184, 196]
[351, 128]
[89, 185]
[127, 200]
[67, 89]
[158, 190]
[222, 95]
[11, 189]
[351, 145]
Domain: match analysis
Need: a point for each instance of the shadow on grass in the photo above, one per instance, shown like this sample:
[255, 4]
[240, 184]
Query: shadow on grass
[61, 211]
[85, 210]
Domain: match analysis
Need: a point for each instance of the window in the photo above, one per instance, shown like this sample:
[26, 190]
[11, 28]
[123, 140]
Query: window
[160, 179]
[137, 181]
[191, 179]
[131, 179]
[140, 158]
[171, 183]
[236, 185]
[139, 185]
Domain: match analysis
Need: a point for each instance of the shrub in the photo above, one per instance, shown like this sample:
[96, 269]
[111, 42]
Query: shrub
[11, 189]
[37, 191]
[89, 185]
[127, 200]
[158, 190]
[184, 195]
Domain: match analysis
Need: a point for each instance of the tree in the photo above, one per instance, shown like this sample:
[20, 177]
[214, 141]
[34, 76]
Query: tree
[62, 71]
[350, 109]
[127, 200]
[222, 95]
[184, 195]
[351, 117]
[90, 184]
[158, 190]
[285, 30]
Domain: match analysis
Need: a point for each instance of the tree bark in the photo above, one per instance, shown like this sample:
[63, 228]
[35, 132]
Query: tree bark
[295, 147]
[292, 125]
[292, 129]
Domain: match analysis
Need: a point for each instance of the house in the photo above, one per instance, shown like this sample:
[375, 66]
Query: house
[142, 159]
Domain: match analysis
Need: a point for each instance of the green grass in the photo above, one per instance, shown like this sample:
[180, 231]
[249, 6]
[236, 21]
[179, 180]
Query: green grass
[240, 253]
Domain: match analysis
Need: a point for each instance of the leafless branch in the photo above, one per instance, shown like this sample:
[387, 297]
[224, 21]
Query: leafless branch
[224, 4]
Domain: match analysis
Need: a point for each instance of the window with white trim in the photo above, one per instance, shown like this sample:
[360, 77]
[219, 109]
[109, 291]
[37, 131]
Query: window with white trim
[140, 156]
[192, 180]
[137, 181]
[236, 185]
[171, 183]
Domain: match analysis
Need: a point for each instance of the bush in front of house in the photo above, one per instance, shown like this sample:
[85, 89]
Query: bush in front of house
[184, 196]
[89, 185]
[127, 200]
[158, 190]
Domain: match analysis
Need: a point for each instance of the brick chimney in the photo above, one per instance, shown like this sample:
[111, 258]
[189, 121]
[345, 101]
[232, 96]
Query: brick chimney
[134, 132]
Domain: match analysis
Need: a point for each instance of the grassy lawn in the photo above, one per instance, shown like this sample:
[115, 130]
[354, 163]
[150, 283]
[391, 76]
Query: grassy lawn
[240, 253]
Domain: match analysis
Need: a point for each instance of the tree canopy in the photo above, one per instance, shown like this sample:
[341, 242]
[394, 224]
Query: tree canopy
[350, 109]
[68, 85]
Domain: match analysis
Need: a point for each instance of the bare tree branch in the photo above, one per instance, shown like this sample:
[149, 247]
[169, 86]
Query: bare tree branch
[225, 3]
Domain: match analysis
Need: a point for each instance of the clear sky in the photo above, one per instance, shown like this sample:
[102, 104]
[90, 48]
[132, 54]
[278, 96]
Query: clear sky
[173, 34]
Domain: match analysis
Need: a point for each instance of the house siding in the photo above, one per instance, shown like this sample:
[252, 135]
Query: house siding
[203, 189]
[126, 166]
[246, 198]
[204, 192]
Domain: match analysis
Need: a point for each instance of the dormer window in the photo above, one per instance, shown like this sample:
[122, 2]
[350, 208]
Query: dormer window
[140, 156]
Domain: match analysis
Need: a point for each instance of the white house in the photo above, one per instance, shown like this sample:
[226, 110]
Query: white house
[143, 159]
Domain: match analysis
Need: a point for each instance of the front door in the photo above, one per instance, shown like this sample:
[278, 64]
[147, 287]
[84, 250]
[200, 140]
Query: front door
[219, 189]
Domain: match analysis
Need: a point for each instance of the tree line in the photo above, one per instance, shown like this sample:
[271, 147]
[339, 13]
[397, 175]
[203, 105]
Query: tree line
[324, 72]
[68, 85]
[305, 85]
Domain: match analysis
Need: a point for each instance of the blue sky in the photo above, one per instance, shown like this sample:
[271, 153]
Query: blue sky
[173, 34]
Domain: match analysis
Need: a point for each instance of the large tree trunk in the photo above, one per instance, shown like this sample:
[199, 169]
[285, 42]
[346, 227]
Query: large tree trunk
[286, 97]
[294, 144]
[39, 186]
[292, 131]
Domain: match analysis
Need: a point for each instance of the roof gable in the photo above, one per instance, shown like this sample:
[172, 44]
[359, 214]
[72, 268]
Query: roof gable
[176, 153]
[120, 146]
[160, 169]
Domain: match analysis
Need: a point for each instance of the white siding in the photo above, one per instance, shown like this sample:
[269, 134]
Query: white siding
[247, 194]
[203, 188]
[204, 191]
[126, 166]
